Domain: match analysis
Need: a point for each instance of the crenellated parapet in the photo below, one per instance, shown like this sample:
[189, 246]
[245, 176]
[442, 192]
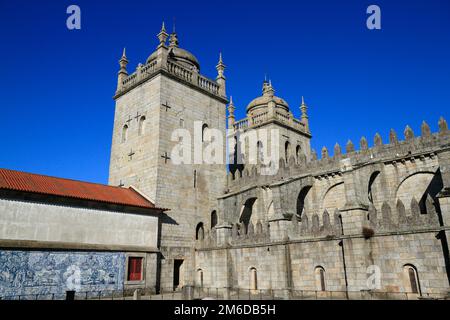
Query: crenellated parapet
[412, 148]
[240, 234]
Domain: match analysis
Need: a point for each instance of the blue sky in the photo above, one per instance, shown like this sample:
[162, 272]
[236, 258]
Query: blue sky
[57, 85]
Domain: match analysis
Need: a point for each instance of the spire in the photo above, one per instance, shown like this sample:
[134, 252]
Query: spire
[162, 35]
[304, 117]
[123, 73]
[173, 41]
[231, 117]
[123, 60]
[220, 77]
[220, 66]
[268, 89]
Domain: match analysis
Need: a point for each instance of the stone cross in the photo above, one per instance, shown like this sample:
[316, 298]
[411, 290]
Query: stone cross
[131, 154]
[165, 157]
[166, 105]
[137, 116]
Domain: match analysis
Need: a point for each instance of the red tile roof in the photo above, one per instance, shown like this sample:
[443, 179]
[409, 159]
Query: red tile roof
[40, 184]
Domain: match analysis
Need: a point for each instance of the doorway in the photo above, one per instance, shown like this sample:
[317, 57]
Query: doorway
[177, 273]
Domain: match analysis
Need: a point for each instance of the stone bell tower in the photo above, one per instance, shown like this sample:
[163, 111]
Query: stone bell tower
[165, 94]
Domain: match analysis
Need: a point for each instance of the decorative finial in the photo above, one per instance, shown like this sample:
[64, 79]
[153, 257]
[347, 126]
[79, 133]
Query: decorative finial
[443, 127]
[350, 147]
[425, 130]
[221, 80]
[231, 117]
[173, 41]
[324, 153]
[393, 137]
[409, 134]
[162, 35]
[377, 141]
[363, 144]
[220, 67]
[337, 150]
[304, 116]
[123, 73]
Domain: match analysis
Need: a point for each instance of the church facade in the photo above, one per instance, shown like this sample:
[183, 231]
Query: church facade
[371, 220]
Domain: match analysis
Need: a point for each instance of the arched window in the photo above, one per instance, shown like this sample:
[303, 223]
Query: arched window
[124, 133]
[213, 219]
[200, 278]
[320, 278]
[298, 150]
[287, 151]
[199, 232]
[141, 130]
[246, 212]
[260, 153]
[253, 279]
[301, 201]
[412, 277]
[204, 128]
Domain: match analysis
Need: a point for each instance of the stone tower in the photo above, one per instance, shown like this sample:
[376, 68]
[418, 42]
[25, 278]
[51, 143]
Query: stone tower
[165, 94]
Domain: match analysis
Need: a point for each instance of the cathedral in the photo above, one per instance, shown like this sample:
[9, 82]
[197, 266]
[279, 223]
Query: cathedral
[364, 222]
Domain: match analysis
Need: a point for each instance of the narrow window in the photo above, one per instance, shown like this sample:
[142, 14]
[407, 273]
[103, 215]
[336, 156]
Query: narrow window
[204, 128]
[253, 279]
[320, 279]
[413, 279]
[124, 133]
[195, 178]
[200, 277]
[199, 232]
[259, 148]
[213, 219]
[297, 152]
[141, 126]
[287, 151]
[135, 268]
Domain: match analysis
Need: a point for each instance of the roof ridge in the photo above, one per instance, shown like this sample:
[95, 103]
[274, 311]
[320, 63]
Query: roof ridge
[58, 178]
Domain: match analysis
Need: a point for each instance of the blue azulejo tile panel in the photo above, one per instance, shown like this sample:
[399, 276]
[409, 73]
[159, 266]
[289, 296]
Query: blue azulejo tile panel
[55, 272]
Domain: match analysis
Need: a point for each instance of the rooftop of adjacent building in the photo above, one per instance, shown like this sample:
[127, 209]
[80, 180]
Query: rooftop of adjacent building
[37, 184]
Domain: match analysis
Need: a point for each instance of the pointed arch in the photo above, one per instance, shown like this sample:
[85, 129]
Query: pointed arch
[213, 218]
[141, 130]
[124, 133]
[301, 201]
[199, 231]
[247, 212]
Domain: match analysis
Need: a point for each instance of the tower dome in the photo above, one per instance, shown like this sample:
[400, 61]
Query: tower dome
[260, 104]
[179, 55]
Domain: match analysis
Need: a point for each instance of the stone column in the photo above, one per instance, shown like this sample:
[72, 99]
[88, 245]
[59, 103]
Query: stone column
[223, 233]
[444, 195]
[354, 212]
[279, 221]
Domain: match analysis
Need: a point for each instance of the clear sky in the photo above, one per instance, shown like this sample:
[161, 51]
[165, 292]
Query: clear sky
[56, 85]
